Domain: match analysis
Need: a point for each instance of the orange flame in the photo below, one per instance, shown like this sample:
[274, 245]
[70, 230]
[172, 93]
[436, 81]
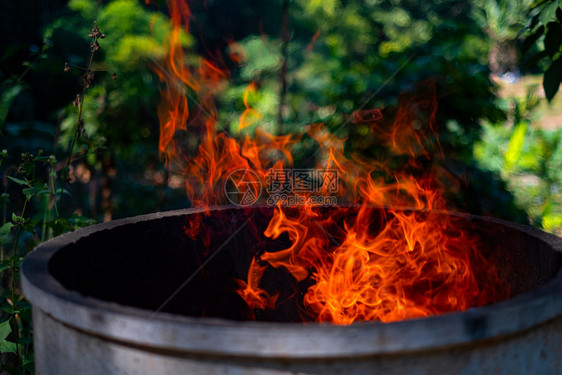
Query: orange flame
[407, 260]
[206, 166]
[252, 293]
[249, 115]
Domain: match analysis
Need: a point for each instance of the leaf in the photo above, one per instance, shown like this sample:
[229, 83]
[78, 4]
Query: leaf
[6, 100]
[28, 192]
[4, 265]
[19, 181]
[553, 38]
[552, 222]
[552, 79]
[515, 145]
[546, 209]
[57, 192]
[5, 229]
[36, 189]
[29, 366]
[4, 232]
[533, 61]
[534, 22]
[548, 13]
[23, 305]
[9, 309]
[61, 225]
[81, 221]
[43, 191]
[8, 347]
[532, 39]
[5, 330]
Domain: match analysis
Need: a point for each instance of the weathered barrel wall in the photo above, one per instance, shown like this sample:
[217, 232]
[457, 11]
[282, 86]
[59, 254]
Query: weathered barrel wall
[77, 334]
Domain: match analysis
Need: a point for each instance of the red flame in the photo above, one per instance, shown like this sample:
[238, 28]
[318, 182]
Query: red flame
[403, 262]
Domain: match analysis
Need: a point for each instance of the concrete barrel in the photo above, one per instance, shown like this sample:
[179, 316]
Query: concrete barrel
[95, 291]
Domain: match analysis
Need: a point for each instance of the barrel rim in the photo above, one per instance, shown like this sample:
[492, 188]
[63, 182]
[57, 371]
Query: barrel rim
[222, 337]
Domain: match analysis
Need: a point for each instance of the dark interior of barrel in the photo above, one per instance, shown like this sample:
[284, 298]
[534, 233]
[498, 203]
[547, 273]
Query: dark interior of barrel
[142, 264]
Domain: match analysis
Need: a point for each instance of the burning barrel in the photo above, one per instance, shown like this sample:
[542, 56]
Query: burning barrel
[145, 296]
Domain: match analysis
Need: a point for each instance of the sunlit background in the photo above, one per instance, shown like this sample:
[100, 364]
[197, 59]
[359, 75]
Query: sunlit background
[77, 149]
[339, 56]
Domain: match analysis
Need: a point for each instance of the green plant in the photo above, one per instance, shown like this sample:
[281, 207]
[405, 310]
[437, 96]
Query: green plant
[124, 112]
[543, 43]
[502, 20]
[88, 81]
[529, 159]
[33, 190]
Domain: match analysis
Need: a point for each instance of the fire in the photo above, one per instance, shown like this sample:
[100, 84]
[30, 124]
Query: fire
[395, 254]
[249, 115]
[252, 293]
[417, 265]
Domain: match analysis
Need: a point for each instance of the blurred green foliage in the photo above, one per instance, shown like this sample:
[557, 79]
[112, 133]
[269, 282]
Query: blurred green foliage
[503, 21]
[341, 57]
[359, 55]
[543, 44]
[529, 159]
[119, 114]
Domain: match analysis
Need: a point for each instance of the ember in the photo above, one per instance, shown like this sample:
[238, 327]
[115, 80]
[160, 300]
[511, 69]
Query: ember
[360, 264]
